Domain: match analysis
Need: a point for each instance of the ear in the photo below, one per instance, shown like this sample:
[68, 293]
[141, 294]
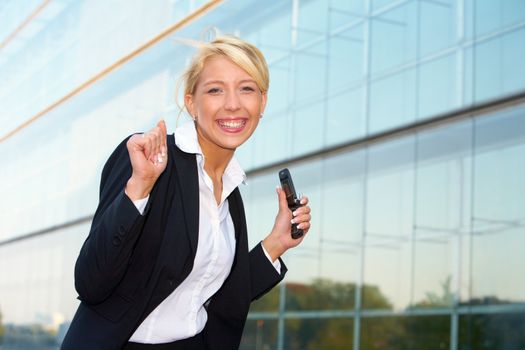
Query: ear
[264, 98]
[188, 102]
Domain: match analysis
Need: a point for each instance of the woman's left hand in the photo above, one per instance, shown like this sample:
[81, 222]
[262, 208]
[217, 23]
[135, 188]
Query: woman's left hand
[280, 239]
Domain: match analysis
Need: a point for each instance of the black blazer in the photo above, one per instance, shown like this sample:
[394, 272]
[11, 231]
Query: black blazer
[130, 263]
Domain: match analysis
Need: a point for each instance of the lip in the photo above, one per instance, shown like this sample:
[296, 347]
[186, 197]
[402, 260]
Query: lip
[232, 125]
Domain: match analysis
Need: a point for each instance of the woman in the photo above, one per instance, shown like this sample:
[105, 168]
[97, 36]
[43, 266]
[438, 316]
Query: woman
[166, 264]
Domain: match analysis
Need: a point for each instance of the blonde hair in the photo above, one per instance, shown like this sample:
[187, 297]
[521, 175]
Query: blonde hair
[240, 52]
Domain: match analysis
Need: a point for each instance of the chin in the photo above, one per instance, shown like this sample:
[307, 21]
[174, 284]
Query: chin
[234, 141]
[232, 145]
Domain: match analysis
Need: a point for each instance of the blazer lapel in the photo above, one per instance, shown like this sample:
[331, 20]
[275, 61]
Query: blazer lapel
[187, 176]
[234, 202]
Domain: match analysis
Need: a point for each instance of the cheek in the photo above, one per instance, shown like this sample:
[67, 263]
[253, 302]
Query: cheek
[254, 106]
[209, 106]
[255, 122]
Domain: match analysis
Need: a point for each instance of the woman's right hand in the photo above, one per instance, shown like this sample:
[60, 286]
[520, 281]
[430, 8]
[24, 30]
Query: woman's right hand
[148, 153]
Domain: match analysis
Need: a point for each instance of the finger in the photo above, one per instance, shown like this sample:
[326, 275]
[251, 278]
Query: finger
[302, 210]
[146, 142]
[163, 132]
[158, 141]
[304, 200]
[283, 205]
[305, 226]
[155, 139]
[151, 147]
[135, 143]
[302, 219]
[161, 124]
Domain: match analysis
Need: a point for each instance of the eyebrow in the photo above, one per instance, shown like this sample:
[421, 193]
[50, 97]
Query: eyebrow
[222, 82]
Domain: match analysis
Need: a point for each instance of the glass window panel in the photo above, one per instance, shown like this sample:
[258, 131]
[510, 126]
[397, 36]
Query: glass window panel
[438, 88]
[389, 222]
[261, 205]
[278, 94]
[513, 56]
[308, 128]
[468, 18]
[493, 15]
[487, 16]
[275, 39]
[344, 13]
[244, 154]
[492, 332]
[304, 287]
[434, 277]
[499, 222]
[467, 64]
[392, 101]
[271, 141]
[356, 6]
[345, 62]
[318, 334]
[336, 285]
[345, 119]
[390, 189]
[380, 4]
[312, 20]
[387, 274]
[393, 37]
[343, 197]
[497, 266]
[464, 270]
[443, 179]
[417, 332]
[498, 68]
[259, 335]
[310, 73]
[500, 167]
[437, 26]
[487, 69]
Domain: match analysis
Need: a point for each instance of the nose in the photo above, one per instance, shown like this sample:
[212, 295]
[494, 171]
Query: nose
[232, 101]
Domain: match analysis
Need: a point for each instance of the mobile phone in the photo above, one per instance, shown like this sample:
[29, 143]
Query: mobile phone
[291, 198]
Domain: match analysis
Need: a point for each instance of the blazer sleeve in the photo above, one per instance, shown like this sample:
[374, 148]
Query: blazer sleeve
[116, 225]
[264, 276]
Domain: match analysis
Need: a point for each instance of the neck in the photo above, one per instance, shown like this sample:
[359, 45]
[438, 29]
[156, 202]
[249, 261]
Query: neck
[217, 158]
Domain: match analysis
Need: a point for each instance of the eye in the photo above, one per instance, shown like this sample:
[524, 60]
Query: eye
[213, 91]
[248, 89]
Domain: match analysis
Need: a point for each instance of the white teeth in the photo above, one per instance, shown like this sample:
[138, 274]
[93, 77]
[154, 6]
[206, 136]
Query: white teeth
[232, 123]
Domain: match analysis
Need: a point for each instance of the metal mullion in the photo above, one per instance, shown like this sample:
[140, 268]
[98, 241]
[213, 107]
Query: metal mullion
[358, 304]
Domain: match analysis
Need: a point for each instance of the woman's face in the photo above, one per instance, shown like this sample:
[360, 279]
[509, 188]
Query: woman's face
[227, 104]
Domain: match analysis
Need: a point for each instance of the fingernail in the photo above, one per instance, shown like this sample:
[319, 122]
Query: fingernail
[294, 213]
[292, 221]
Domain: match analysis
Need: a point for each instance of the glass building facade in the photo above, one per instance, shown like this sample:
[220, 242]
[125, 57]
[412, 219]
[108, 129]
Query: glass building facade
[402, 120]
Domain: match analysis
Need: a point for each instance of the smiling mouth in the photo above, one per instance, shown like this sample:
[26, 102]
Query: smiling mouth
[232, 125]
